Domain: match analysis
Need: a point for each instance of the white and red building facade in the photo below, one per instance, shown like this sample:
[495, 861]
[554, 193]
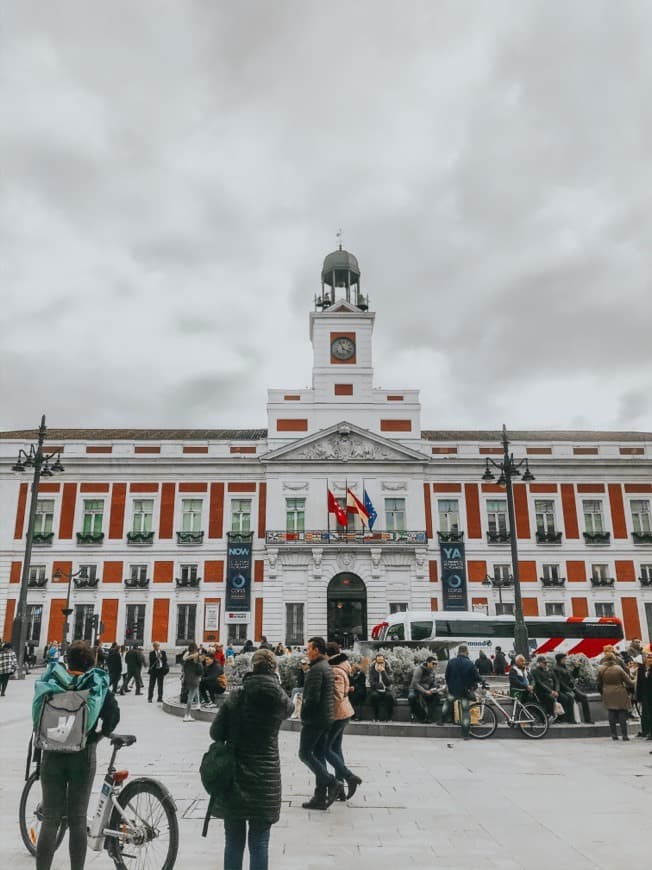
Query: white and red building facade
[148, 512]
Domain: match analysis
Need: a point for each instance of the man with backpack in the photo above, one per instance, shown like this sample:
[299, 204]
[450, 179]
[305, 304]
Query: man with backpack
[67, 707]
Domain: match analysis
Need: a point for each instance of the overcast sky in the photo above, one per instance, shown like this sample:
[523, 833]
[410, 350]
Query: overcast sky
[173, 173]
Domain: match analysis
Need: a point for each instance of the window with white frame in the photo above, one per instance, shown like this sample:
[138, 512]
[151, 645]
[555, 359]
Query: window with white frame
[294, 634]
[36, 573]
[593, 520]
[186, 623]
[34, 618]
[646, 572]
[189, 572]
[398, 607]
[641, 516]
[550, 572]
[83, 622]
[138, 572]
[449, 515]
[605, 608]
[544, 510]
[505, 609]
[395, 514]
[241, 515]
[600, 572]
[135, 624]
[295, 514]
[91, 572]
[191, 511]
[502, 573]
[555, 608]
[497, 516]
[236, 632]
[44, 516]
[93, 516]
[143, 511]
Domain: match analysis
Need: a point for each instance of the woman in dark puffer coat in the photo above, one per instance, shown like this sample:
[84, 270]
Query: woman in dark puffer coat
[250, 720]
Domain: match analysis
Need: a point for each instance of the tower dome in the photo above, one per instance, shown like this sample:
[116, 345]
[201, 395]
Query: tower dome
[341, 269]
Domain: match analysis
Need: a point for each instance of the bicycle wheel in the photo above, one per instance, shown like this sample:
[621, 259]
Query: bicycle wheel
[30, 817]
[150, 832]
[536, 726]
[483, 721]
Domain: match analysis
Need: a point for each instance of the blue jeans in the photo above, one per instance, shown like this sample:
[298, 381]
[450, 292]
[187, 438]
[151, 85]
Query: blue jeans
[334, 754]
[312, 751]
[193, 695]
[235, 837]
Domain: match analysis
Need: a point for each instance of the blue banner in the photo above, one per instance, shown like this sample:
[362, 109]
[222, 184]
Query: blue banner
[453, 577]
[238, 571]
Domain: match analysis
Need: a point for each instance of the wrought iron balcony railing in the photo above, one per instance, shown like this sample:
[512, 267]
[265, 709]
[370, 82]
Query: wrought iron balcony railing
[86, 582]
[597, 537]
[190, 539]
[42, 539]
[361, 536]
[37, 582]
[88, 539]
[140, 539]
[136, 583]
[645, 581]
[548, 537]
[642, 537]
[188, 582]
[553, 581]
[498, 537]
[450, 537]
[602, 581]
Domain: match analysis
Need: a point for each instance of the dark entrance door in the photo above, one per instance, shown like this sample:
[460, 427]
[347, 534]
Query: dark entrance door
[347, 609]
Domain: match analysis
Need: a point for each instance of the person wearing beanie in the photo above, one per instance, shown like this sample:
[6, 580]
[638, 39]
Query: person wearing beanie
[249, 720]
[343, 712]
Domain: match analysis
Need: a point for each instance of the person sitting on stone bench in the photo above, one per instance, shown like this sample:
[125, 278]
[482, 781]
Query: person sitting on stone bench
[213, 681]
[381, 698]
[520, 681]
[569, 692]
[423, 696]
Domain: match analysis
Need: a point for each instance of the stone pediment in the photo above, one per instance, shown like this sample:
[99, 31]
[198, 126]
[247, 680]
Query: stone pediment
[344, 442]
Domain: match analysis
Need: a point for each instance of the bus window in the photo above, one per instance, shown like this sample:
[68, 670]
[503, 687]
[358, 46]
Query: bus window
[396, 632]
[421, 630]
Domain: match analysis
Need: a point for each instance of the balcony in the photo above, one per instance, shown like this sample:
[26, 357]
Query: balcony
[188, 582]
[597, 539]
[136, 583]
[642, 537]
[602, 581]
[321, 537]
[42, 539]
[645, 581]
[86, 582]
[140, 539]
[548, 537]
[450, 537]
[37, 582]
[498, 538]
[553, 582]
[89, 539]
[190, 539]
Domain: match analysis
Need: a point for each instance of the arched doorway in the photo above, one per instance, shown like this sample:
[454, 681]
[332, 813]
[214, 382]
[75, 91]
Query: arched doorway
[347, 609]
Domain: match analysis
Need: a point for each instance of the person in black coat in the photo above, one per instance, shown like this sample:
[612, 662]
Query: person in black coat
[359, 685]
[380, 682]
[210, 685]
[500, 662]
[317, 715]
[484, 665]
[114, 665]
[250, 720]
[461, 680]
[644, 695]
[158, 668]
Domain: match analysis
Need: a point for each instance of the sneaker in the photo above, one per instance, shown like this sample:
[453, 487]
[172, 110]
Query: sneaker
[335, 789]
[188, 719]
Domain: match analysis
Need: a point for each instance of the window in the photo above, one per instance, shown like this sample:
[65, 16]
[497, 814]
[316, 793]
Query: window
[295, 512]
[241, 515]
[646, 572]
[396, 632]
[294, 623]
[143, 509]
[91, 572]
[555, 608]
[395, 514]
[604, 608]
[421, 630]
[502, 573]
[34, 617]
[44, 516]
[36, 573]
[236, 632]
[449, 515]
[600, 572]
[485, 628]
[497, 516]
[186, 622]
[398, 607]
[191, 509]
[505, 609]
[83, 624]
[593, 523]
[93, 516]
[641, 516]
[135, 624]
[550, 572]
[189, 572]
[138, 572]
[545, 516]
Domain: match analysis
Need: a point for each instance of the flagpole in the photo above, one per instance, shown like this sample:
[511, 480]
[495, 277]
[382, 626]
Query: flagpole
[328, 514]
[346, 505]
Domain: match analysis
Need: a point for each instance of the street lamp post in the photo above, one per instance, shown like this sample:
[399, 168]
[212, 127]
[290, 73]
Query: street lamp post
[498, 583]
[509, 468]
[35, 458]
[67, 610]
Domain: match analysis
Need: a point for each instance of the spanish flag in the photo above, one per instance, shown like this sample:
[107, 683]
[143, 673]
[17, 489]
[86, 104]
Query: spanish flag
[355, 506]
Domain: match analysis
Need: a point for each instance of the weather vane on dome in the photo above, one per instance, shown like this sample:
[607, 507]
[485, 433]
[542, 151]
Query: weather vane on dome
[338, 236]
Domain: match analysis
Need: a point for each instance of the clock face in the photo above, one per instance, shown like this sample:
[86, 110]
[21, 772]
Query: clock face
[343, 348]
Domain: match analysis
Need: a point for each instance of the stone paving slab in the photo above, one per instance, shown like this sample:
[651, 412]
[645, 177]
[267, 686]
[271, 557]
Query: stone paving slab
[451, 805]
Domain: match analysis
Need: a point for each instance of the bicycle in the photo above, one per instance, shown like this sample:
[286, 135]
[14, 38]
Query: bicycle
[135, 823]
[530, 718]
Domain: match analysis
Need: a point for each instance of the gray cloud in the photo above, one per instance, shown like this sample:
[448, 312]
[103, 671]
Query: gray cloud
[173, 175]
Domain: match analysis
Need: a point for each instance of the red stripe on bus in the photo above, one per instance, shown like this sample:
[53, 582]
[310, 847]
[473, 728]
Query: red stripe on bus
[592, 646]
[551, 644]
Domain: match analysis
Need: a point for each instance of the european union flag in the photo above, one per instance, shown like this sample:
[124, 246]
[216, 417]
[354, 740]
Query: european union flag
[371, 510]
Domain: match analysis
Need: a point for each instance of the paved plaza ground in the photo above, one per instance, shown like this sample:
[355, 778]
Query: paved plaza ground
[562, 804]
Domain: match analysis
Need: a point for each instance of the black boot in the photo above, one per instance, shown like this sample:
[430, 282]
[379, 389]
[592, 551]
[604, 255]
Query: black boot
[316, 802]
[335, 789]
[353, 782]
[342, 796]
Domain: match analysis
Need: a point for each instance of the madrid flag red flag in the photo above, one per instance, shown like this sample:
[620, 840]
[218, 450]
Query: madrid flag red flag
[355, 506]
[334, 507]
